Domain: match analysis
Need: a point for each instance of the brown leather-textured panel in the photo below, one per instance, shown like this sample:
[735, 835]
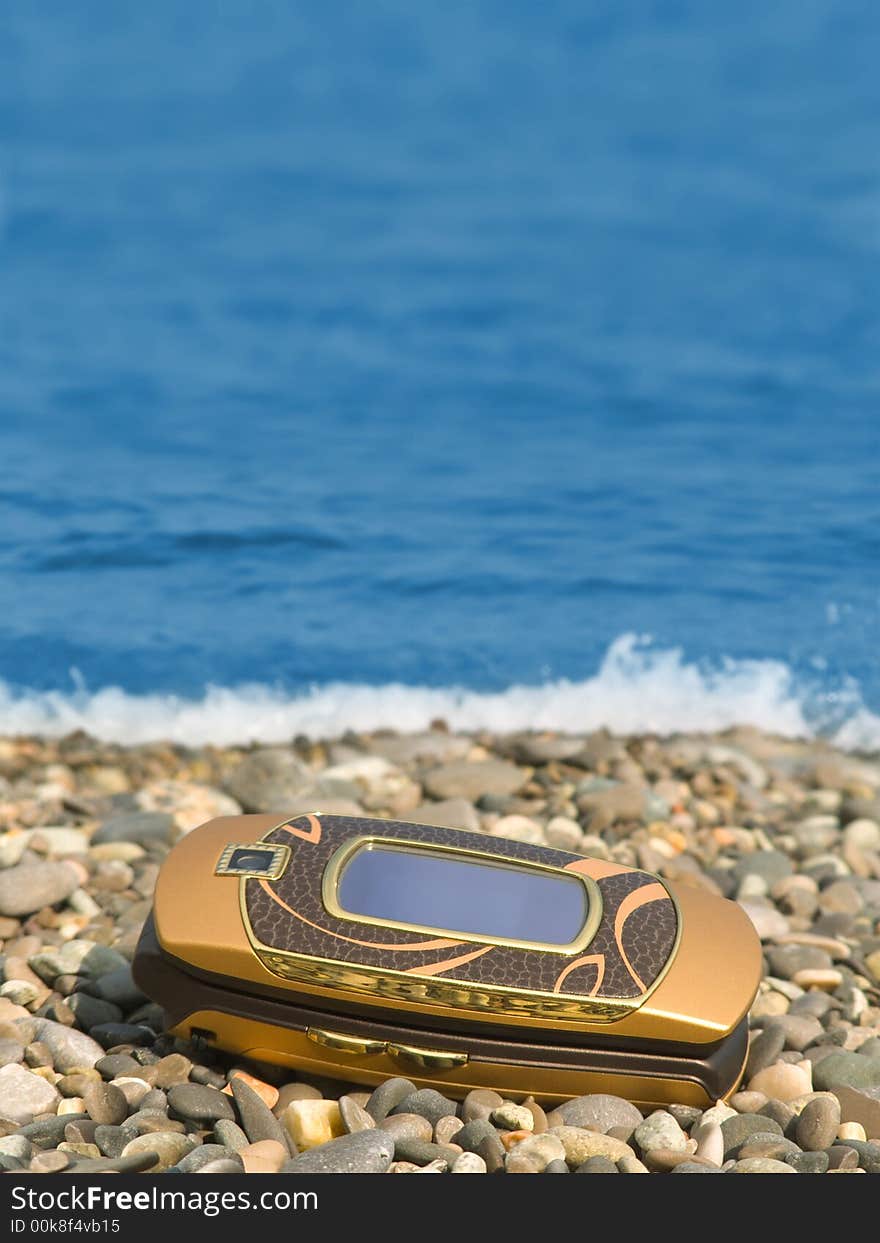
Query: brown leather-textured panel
[629, 951]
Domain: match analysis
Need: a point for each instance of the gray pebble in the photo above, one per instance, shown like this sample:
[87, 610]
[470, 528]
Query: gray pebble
[817, 1124]
[421, 1152]
[70, 1049]
[852, 1070]
[427, 1102]
[230, 1135]
[91, 1011]
[366, 1152]
[869, 1154]
[139, 826]
[354, 1117]
[119, 987]
[198, 1103]
[193, 1161]
[112, 1139]
[556, 1166]
[133, 1163]
[694, 1167]
[154, 1099]
[109, 1035]
[737, 1131]
[473, 1133]
[113, 1064]
[257, 1119]
[388, 1095]
[807, 1162]
[597, 1165]
[49, 1132]
[764, 1049]
[598, 1112]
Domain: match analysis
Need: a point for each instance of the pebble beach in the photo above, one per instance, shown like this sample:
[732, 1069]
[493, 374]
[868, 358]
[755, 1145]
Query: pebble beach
[89, 1082]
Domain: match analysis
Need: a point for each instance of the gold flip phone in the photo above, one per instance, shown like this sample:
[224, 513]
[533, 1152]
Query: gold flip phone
[361, 949]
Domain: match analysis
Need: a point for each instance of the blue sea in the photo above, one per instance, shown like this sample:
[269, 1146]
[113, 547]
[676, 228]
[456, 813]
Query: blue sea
[512, 363]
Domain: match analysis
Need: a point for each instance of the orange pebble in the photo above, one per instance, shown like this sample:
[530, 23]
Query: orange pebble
[511, 1138]
[267, 1094]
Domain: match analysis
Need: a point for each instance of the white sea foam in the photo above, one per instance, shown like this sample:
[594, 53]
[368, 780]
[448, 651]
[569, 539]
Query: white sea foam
[637, 688]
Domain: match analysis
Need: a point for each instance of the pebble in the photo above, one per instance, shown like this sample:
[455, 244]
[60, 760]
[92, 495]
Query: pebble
[257, 1119]
[408, 1126]
[782, 1081]
[597, 1165]
[710, 1143]
[468, 1163]
[480, 1103]
[230, 1135]
[660, 1130]
[265, 1157]
[533, 1154]
[580, 1144]
[24, 1094]
[70, 1048]
[844, 1069]
[197, 1158]
[167, 1147]
[142, 827]
[354, 1116]
[366, 1152]
[817, 1124]
[598, 1112]
[312, 1123]
[112, 1139]
[762, 1165]
[510, 1117]
[388, 1095]
[266, 780]
[465, 779]
[198, 1103]
[739, 1129]
[30, 886]
[427, 1102]
[447, 1128]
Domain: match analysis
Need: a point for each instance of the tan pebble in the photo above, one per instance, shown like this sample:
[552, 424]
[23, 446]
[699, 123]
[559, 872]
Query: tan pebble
[580, 1144]
[852, 1170]
[402, 1167]
[825, 978]
[50, 1162]
[265, 1152]
[295, 1092]
[71, 1105]
[851, 1130]
[266, 1092]
[310, 1123]
[539, 1117]
[748, 1102]
[669, 1158]
[446, 1128]
[81, 1150]
[782, 1082]
[769, 1004]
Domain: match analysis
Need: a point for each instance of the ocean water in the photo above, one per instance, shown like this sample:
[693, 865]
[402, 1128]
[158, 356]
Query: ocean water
[512, 363]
